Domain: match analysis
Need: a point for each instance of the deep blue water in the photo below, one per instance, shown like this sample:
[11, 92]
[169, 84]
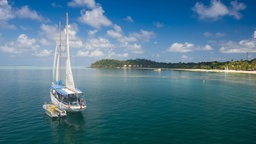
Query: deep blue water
[131, 106]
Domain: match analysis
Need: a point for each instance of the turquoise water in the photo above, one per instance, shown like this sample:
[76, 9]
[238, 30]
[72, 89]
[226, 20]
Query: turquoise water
[131, 106]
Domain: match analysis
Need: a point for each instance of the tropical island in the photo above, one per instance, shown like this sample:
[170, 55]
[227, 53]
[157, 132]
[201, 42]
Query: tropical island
[242, 65]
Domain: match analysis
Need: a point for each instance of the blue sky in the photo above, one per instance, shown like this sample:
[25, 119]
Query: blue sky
[159, 30]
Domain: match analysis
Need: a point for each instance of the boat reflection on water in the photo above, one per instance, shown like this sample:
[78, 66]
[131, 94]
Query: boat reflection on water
[55, 122]
[67, 129]
[72, 120]
[75, 120]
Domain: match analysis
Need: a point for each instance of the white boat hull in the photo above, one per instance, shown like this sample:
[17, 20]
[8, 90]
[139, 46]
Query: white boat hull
[71, 108]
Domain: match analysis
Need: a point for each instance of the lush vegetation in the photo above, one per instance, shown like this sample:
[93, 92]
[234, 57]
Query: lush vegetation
[144, 63]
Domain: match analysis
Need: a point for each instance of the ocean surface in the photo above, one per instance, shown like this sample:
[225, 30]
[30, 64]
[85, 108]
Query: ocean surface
[131, 107]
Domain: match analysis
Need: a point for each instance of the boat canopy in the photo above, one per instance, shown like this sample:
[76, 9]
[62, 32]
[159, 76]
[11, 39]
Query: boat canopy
[65, 91]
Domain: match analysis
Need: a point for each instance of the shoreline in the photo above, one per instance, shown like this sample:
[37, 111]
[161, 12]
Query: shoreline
[190, 70]
[218, 71]
[155, 69]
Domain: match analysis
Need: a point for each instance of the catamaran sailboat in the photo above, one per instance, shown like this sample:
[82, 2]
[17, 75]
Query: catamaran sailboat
[65, 96]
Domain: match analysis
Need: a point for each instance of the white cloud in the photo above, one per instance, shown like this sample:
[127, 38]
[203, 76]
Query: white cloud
[242, 46]
[134, 48]
[181, 47]
[184, 57]
[98, 43]
[117, 28]
[117, 33]
[130, 42]
[43, 53]
[81, 3]
[49, 35]
[97, 53]
[22, 44]
[94, 53]
[45, 41]
[25, 12]
[188, 47]
[5, 10]
[49, 32]
[100, 54]
[235, 8]
[76, 43]
[9, 49]
[129, 19]
[217, 34]
[82, 53]
[26, 42]
[92, 33]
[94, 18]
[217, 9]
[123, 55]
[7, 13]
[102, 47]
[143, 35]
[6, 25]
[96, 47]
[207, 48]
[74, 40]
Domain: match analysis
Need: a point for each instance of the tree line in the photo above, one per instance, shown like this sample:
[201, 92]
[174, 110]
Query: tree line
[247, 65]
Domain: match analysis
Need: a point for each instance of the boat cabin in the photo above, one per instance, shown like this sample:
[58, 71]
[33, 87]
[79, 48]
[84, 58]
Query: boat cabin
[67, 96]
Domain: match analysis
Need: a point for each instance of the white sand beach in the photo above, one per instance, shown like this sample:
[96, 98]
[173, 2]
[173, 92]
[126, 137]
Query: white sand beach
[215, 70]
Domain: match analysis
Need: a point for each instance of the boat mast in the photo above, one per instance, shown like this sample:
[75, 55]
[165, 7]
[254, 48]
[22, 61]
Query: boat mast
[69, 76]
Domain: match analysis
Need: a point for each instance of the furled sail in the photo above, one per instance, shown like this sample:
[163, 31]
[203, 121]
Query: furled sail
[69, 76]
[57, 78]
[57, 60]
[54, 70]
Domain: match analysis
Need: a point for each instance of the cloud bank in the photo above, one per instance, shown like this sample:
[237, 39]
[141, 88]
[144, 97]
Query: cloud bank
[217, 10]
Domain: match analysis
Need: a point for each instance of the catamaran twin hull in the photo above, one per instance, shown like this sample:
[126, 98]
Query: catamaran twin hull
[67, 107]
